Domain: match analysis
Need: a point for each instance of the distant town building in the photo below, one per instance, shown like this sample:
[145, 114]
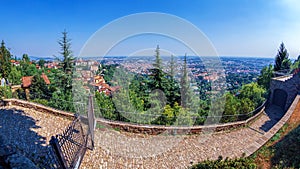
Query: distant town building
[15, 62]
[101, 86]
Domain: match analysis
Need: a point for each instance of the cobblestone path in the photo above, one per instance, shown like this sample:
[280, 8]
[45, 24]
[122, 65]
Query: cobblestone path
[115, 149]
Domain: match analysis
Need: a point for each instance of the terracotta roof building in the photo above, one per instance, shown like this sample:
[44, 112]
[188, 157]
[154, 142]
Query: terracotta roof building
[99, 84]
[26, 80]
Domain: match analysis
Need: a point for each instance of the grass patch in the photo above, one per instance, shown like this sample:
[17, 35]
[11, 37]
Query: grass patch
[100, 126]
[286, 151]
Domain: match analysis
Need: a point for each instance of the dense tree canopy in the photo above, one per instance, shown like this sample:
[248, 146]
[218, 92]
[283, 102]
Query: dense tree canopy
[265, 76]
[282, 61]
[39, 88]
[160, 97]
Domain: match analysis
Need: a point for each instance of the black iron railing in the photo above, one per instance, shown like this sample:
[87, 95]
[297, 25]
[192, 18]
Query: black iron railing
[70, 146]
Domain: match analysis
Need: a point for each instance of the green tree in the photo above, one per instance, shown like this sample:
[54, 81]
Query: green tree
[158, 61]
[246, 106]
[174, 93]
[25, 58]
[107, 71]
[137, 102]
[173, 66]
[230, 110]
[66, 64]
[39, 88]
[15, 76]
[62, 101]
[184, 118]
[29, 69]
[157, 74]
[253, 92]
[159, 80]
[185, 85]
[281, 60]
[5, 64]
[168, 115]
[286, 64]
[105, 106]
[266, 74]
[188, 98]
[296, 64]
[41, 63]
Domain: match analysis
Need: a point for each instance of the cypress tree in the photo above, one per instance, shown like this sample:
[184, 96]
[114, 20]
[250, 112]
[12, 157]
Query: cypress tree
[281, 59]
[184, 84]
[158, 61]
[68, 60]
[5, 57]
[66, 64]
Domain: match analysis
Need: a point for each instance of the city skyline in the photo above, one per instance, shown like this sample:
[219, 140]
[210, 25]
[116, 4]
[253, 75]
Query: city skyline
[235, 28]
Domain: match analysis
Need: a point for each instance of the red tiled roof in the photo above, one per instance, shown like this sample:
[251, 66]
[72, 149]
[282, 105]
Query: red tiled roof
[46, 79]
[26, 80]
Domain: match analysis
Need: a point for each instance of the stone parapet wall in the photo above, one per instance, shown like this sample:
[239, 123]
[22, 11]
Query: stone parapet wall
[145, 129]
[156, 129]
[37, 107]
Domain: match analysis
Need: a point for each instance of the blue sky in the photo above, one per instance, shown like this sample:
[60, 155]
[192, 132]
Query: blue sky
[235, 27]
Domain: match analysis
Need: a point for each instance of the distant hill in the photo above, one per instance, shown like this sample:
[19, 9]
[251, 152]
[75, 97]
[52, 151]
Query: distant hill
[46, 58]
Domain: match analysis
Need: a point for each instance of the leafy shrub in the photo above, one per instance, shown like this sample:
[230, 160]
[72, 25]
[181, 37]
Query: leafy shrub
[5, 92]
[21, 94]
[41, 101]
[245, 163]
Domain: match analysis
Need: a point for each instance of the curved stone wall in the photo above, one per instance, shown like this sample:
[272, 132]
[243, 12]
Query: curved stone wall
[145, 129]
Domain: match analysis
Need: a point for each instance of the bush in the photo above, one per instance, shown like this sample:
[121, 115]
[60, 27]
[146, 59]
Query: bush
[41, 101]
[21, 94]
[5, 92]
[245, 163]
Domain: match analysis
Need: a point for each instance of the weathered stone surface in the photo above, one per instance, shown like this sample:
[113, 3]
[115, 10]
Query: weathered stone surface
[18, 161]
[290, 84]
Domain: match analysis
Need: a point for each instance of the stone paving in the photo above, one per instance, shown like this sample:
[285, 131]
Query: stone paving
[121, 150]
[115, 149]
[126, 150]
[29, 131]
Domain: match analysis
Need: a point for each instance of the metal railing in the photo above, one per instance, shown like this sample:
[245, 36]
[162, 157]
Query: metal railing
[70, 146]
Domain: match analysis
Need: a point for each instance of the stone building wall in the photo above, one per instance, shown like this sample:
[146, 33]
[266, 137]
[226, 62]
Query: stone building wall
[289, 84]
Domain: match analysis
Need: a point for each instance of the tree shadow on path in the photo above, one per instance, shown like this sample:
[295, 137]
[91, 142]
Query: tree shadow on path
[17, 131]
[275, 113]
